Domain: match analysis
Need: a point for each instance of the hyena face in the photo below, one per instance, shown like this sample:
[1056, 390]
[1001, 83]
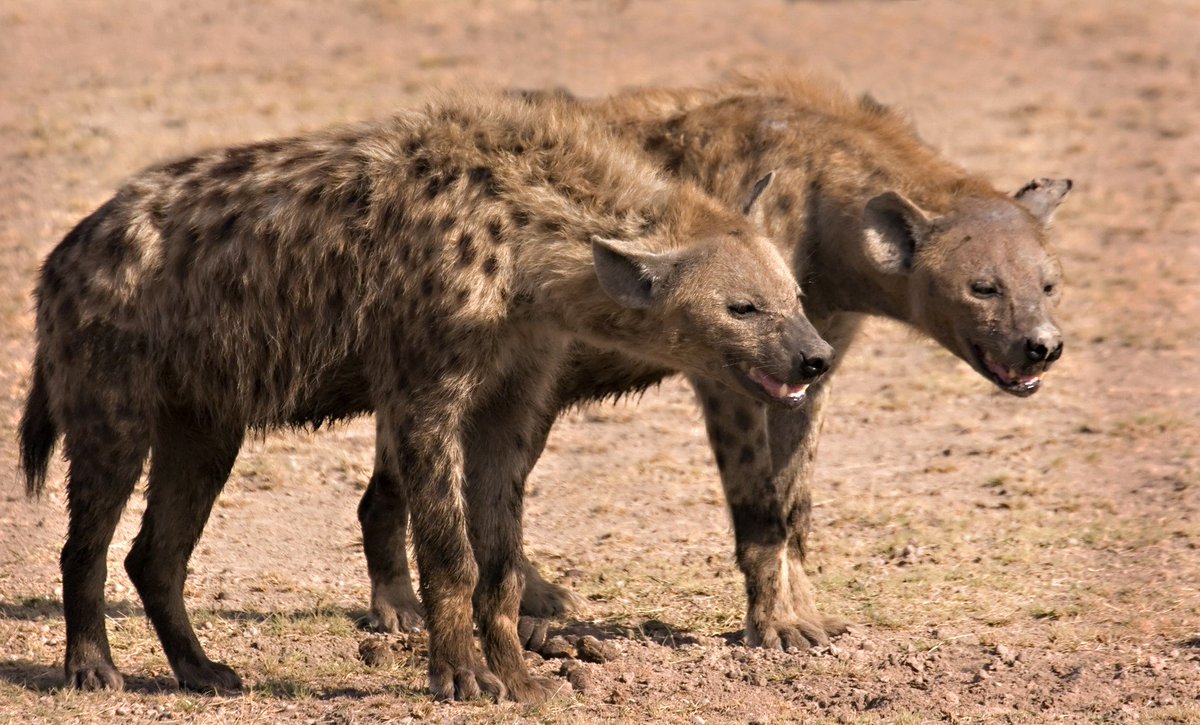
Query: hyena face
[726, 308]
[983, 283]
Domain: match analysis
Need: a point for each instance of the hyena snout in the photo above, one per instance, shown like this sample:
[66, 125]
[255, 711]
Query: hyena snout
[809, 356]
[1045, 346]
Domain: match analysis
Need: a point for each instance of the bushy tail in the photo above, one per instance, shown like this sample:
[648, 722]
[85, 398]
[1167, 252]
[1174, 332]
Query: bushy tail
[38, 434]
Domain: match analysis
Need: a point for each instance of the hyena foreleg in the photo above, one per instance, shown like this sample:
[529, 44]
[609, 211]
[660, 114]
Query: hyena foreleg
[421, 447]
[765, 458]
[500, 453]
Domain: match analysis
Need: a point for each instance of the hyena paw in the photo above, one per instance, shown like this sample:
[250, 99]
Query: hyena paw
[834, 625]
[537, 689]
[793, 634]
[545, 599]
[465, 683]
[208, 677]
[395, 614]
[96, 676]
[395, 619]
[532, 632]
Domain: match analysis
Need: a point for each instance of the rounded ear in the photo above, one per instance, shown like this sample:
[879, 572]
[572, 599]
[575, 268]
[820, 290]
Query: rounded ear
[628, 275]
[893, 229]
[1042, 196]
[756, 191]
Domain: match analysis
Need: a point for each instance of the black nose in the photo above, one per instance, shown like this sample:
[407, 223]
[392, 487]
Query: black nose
[1037, 352]
[814, 366]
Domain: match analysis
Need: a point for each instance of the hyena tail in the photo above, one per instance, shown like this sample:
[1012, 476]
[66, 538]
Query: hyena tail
[39, 434]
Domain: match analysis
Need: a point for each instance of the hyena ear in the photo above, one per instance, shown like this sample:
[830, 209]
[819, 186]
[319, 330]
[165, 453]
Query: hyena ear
[628, 275]
[1042, 196]
[893, 229]
[752, 208]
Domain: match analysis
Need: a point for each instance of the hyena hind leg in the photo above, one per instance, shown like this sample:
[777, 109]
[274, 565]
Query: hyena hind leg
[383, 515]
[106, 456]
[190, 463]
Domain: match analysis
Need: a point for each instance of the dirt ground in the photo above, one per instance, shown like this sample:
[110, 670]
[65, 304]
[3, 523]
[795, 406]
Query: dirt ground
[1004, 560]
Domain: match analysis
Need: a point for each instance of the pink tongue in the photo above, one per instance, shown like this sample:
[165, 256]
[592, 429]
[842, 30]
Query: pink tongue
[1000, 371]
[775, 388]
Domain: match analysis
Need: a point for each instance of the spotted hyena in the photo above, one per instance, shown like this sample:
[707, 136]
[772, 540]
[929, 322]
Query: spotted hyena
[874, 222]
[433, 268]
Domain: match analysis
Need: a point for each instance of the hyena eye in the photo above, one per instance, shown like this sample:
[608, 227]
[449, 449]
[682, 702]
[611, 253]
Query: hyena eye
[984, 289]
[1049, 288]
[742, 309]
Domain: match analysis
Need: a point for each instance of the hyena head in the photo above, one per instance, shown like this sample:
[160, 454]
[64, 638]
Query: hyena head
[981, 278]
[725, 307]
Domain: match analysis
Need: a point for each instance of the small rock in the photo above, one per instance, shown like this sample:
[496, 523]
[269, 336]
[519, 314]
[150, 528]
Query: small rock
[1006, 654]
[698, 720]
[558, 647]
[759, 720]
[981, 675]
[757, 679]
[595, 650]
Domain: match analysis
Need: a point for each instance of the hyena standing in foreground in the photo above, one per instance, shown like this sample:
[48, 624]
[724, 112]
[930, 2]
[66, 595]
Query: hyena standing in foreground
[432, 268]
[874, 222]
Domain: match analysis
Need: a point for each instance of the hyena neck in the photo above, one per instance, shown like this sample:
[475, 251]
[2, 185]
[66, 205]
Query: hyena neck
[563, 284]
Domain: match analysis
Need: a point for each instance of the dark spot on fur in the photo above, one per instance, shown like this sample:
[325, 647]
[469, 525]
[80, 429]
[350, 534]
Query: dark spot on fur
[236, 163]
[521, 218]
[713, 403]
[421, 167]
[757, 524]
[746, 456]
[227, 227]
[742, 419]
[483, 175]
[428, 285]
[784, 203]
[312, 197]
[466, 252]
[495, 231]
[182, 166]
[717, 435]
[489, 265]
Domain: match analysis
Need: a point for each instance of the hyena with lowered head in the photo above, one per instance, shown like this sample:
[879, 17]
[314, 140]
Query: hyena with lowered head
[433, 268]
[874, 223]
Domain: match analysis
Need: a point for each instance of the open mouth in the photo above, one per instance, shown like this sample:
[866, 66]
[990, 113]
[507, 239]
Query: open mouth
[768, 386]
[1007, 379]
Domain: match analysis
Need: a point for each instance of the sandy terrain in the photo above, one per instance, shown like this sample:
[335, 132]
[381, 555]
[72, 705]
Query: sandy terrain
[1004, 560]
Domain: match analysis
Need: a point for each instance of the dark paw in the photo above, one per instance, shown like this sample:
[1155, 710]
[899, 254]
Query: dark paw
[835, 626]
[102, 676]
[466, 683]
[395, 608]
[793, 634]
[544, 599]
[537, 689]
[208, 677]
[394, 620]
[532, 632]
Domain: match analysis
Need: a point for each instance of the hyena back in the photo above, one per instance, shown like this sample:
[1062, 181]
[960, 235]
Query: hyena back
[432, 268]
